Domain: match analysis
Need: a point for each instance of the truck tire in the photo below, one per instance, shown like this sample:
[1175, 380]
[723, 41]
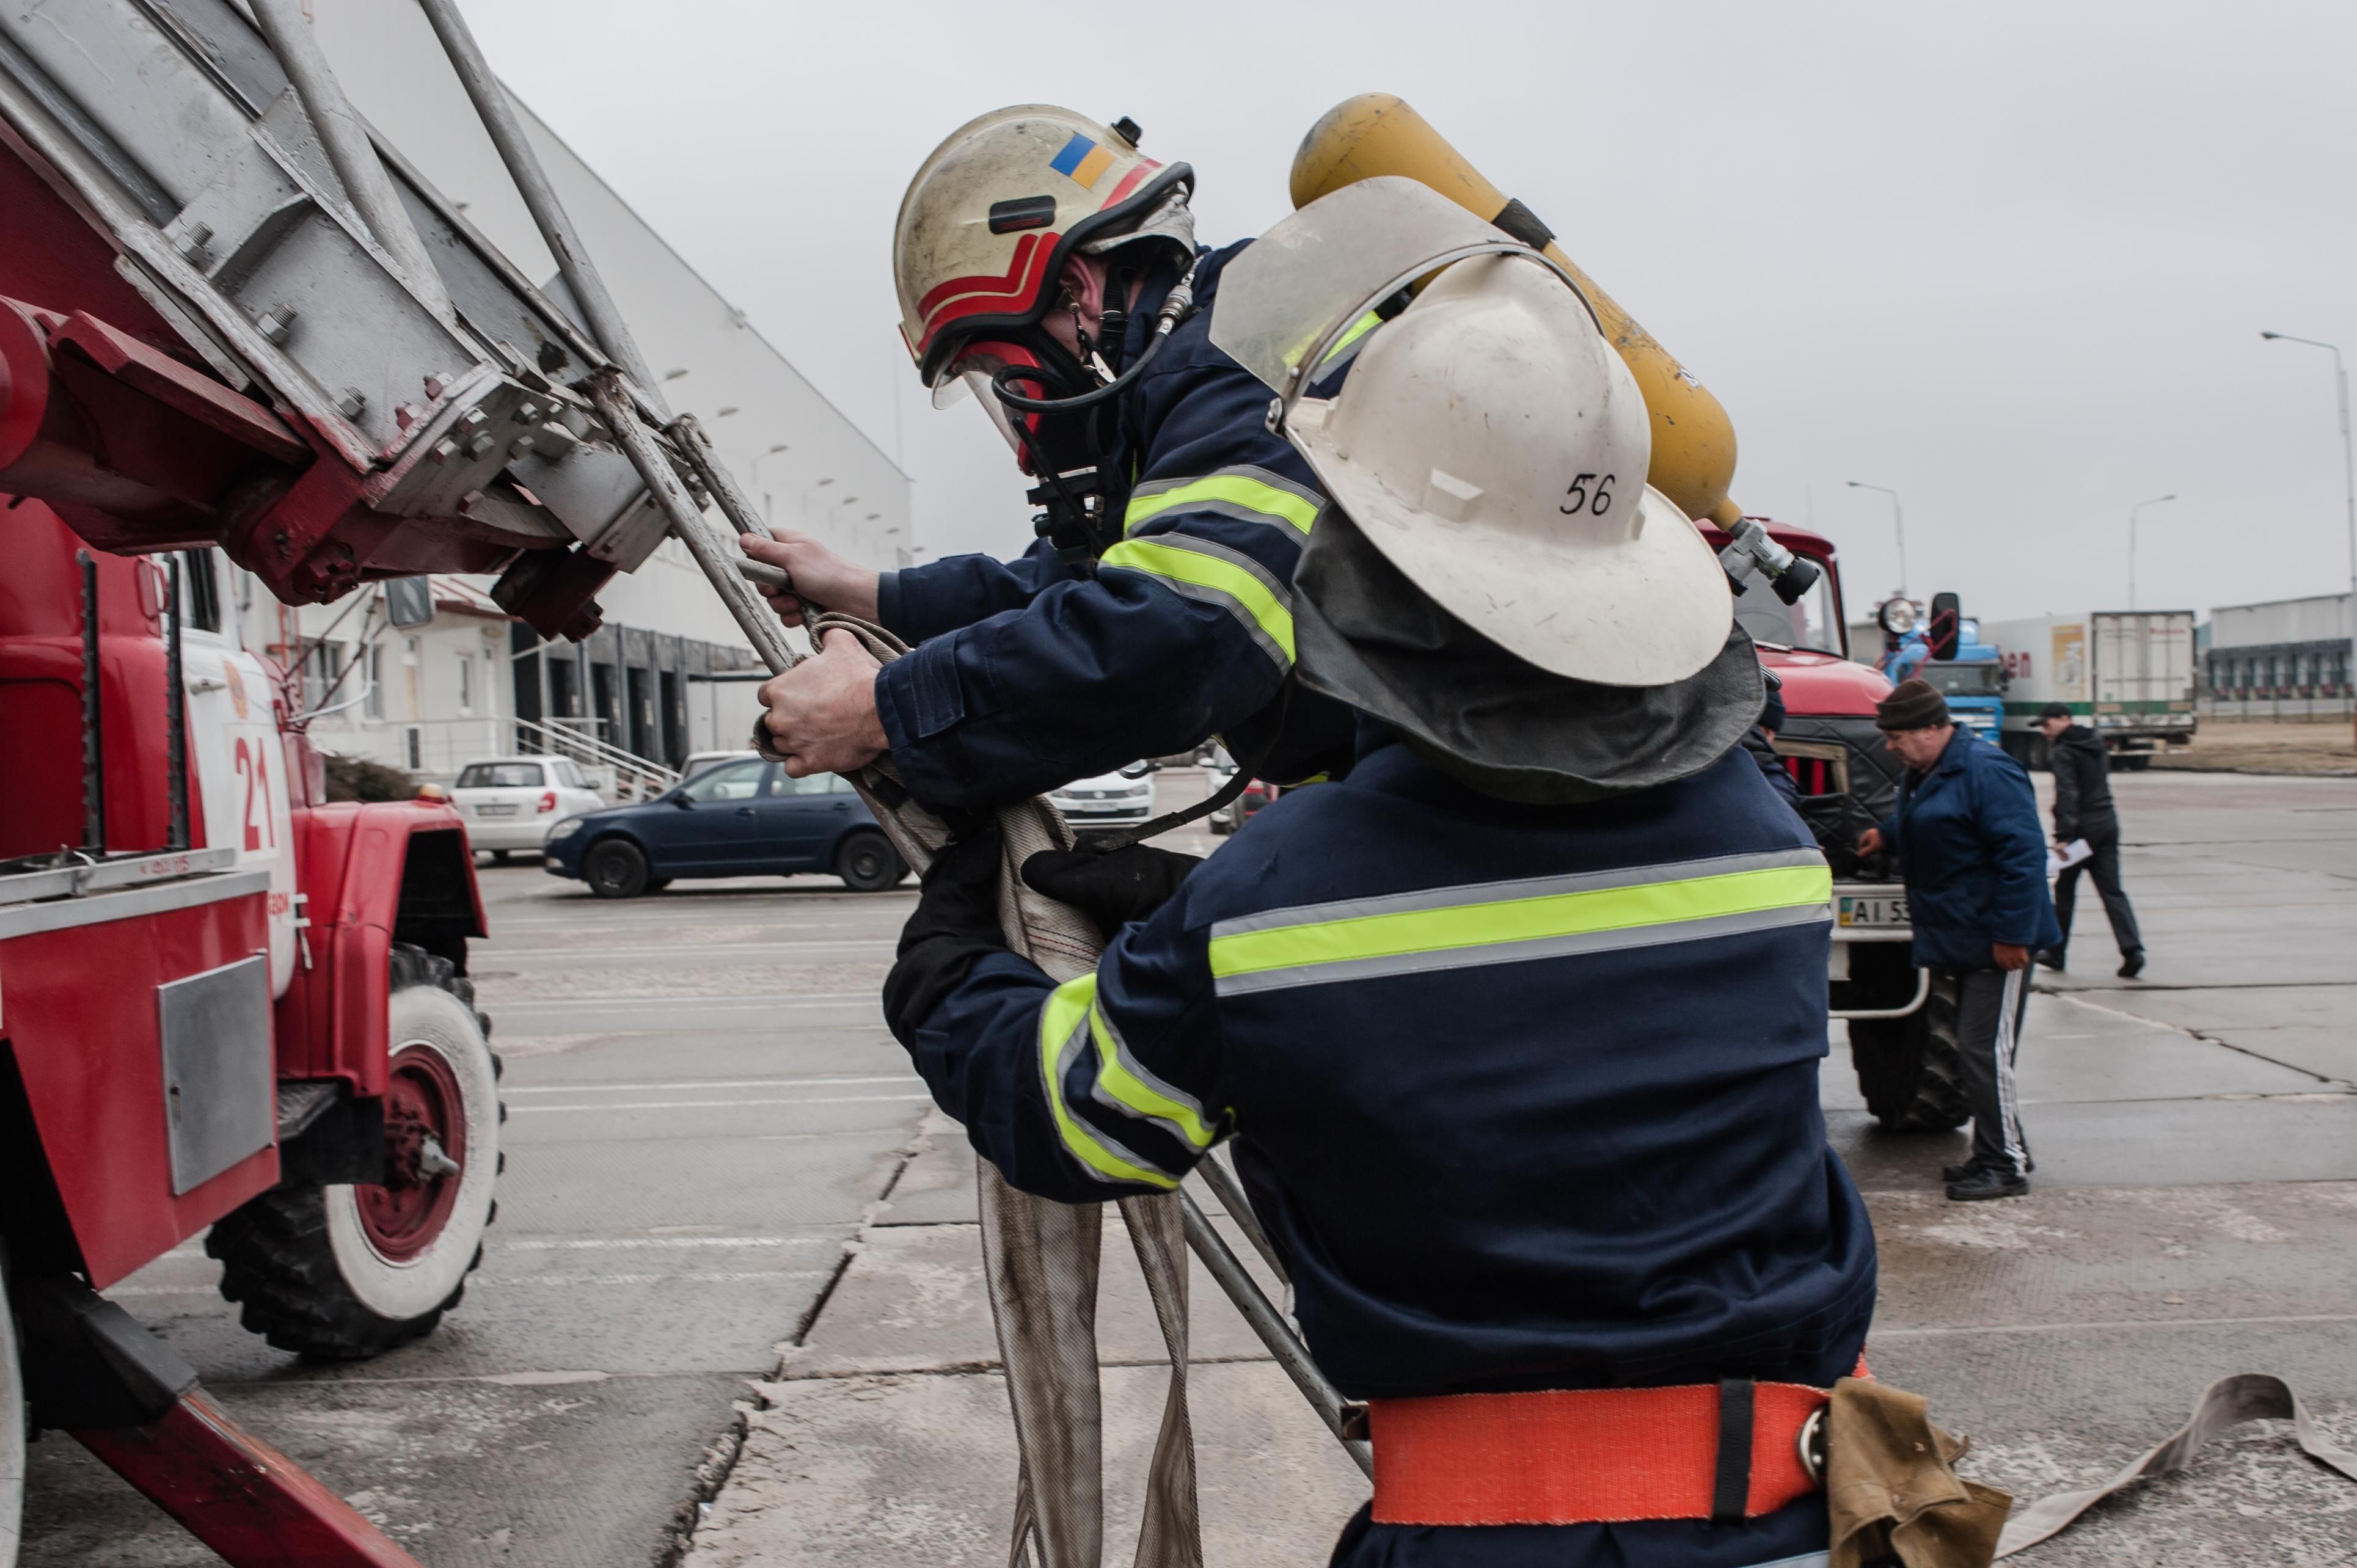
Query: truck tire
[345, 1272]
[868, 864]
[1908, 1069]
[12, 1432]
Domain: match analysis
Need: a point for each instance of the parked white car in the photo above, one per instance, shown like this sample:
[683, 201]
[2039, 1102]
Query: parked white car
[511, 802]
[1109, 801]
[698, 761]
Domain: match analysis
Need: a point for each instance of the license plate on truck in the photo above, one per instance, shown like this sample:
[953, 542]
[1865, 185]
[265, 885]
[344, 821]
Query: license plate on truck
[1878, 910]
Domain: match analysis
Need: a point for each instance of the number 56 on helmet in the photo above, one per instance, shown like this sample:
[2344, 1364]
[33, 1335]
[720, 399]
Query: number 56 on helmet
[1488, 440]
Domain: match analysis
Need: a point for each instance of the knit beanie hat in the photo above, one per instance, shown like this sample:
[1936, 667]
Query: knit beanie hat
[1913, 704]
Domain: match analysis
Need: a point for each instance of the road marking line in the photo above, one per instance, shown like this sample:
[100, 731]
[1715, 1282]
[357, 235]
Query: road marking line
[760, 998]
[618, 1243]
[677, 950]
[732, 1277]
[511, 1090]
[721, 1104]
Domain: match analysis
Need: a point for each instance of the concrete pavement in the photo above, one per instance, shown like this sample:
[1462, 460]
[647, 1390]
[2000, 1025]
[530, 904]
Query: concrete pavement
[728, 1208]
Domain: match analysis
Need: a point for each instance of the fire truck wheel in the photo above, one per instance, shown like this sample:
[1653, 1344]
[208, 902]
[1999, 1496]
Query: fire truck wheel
[1908, 1069]
[615, 869]
[345, 1272]
[11, 1431]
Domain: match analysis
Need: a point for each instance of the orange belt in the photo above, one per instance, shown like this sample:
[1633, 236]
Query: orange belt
[1592, 1455]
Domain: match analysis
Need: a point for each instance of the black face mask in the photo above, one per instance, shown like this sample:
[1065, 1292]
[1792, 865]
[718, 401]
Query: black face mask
[1068, 452]
[1069, 413]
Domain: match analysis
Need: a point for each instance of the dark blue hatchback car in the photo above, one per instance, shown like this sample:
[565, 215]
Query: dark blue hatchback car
[738, 819]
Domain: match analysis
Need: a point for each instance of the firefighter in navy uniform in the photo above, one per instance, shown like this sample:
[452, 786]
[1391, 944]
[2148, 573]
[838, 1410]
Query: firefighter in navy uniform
[1047, 267]
[1517, 1026]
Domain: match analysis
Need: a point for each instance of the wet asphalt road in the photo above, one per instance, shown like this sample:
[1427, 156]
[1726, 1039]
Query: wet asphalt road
[708, 1113]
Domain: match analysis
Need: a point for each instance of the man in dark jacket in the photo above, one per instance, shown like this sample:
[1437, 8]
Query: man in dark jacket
[1974, 863]
[2082, 809]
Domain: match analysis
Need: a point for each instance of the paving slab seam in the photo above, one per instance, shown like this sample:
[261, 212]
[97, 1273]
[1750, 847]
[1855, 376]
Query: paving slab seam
[719, 1460]
[2208, 1039]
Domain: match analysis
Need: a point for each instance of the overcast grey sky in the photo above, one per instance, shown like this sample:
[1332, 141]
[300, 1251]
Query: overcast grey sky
[2011, 260]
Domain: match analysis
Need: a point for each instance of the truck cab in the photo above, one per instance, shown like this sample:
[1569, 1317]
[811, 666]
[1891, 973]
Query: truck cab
[1974, 683]
[1900, 1030]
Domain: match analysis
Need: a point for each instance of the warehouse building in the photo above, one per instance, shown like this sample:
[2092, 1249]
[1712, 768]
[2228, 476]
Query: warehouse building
[2285, 658]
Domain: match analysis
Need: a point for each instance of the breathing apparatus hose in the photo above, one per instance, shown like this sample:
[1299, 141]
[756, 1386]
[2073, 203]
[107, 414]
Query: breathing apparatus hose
[1179, 305]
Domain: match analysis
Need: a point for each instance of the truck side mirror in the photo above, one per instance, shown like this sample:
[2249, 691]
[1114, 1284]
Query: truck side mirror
[1943, 631]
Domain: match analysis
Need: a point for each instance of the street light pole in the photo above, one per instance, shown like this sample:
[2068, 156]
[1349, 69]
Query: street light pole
[2349, 474]
[1898, 525]
[2132, 540]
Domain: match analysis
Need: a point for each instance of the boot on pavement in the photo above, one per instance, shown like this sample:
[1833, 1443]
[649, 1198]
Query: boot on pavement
[1986, 1183]
[2131, 963]
[1970, 1168]
[2052, 958]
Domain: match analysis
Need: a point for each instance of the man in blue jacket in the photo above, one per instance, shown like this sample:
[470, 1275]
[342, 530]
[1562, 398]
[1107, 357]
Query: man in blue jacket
[1516, 1027]
[1047, 266]
[1974, 858]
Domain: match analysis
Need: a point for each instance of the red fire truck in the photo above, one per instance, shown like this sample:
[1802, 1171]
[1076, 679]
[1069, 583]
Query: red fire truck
[1902, 1021]
[225, 1002]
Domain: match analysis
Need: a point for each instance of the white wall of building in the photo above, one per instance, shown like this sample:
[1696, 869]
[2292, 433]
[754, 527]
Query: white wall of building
[2322, 618]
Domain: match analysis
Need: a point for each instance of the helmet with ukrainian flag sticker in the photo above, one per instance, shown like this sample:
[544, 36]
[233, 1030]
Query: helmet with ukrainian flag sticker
[993, 214]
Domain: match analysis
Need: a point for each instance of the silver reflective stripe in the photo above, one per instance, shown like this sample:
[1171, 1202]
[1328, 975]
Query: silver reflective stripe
[1196, 1137]
[1280, 610]
[1805, 1560]
[1519, 952]
[1501, 892]
[1512, 922]
[1101, 1156]
[1246, 492]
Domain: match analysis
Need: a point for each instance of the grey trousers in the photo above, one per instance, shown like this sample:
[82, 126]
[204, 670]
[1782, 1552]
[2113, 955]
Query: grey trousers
[1988, 1038]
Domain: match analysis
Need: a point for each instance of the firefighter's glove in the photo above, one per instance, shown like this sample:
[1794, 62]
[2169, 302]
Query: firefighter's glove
[956, 922]
[1111, 890]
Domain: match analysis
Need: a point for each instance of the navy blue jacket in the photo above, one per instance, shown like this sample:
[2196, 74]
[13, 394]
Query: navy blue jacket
[1026, 675]
[1526, 1095]
[1973, 855]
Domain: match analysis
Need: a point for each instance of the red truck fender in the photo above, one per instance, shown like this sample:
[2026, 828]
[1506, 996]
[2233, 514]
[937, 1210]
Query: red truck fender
[372, 874]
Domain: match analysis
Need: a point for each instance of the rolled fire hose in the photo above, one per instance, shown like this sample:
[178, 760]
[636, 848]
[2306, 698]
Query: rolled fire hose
[1040, 1257]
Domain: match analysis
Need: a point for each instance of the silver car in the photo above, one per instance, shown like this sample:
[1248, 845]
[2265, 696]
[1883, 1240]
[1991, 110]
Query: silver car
[511, 802]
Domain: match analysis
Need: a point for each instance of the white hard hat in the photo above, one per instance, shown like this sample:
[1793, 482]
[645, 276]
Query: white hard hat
[1493, 446]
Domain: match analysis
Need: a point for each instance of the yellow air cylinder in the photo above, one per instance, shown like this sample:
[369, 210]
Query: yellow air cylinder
[1376, 134]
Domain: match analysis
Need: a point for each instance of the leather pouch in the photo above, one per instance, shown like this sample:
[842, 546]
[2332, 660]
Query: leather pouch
[1891, 1490]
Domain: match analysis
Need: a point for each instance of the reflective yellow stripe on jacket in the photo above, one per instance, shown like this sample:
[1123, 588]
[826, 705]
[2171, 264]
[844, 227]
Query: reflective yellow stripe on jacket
[1070, 1022]
[1451, 928]
[1251, 493]
[1210, 573]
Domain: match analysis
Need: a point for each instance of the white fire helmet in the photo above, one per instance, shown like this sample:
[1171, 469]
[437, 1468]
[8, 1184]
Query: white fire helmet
[1493, 446]
[995, 212]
